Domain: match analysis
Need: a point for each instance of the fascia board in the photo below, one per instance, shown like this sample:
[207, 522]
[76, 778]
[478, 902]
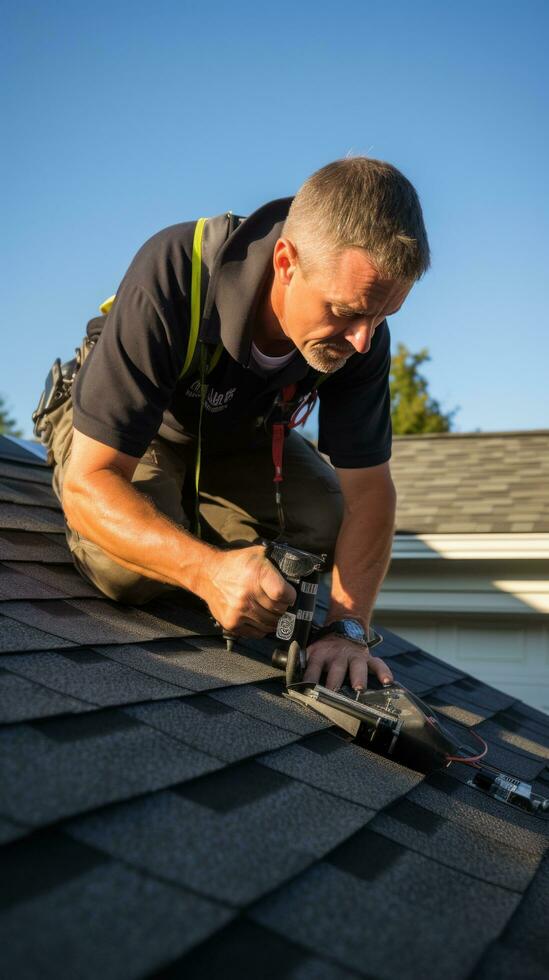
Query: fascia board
[465, 547]
[469, 603]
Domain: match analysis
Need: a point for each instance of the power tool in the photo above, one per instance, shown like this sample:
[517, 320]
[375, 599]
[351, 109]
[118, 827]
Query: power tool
[388, 719]
[302, 570]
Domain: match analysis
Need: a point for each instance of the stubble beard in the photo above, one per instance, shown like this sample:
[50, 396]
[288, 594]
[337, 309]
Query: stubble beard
[325, 358]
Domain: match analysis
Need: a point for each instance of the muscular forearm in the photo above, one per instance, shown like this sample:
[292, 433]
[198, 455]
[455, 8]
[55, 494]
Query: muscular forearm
[109, 511]
[362, 556]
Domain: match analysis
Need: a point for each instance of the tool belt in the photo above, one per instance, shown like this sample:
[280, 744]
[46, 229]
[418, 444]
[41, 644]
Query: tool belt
[58, 389]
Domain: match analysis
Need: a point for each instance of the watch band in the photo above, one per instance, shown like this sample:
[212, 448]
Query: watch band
[370, 639]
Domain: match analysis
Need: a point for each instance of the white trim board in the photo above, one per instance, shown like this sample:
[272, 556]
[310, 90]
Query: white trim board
[470, 546]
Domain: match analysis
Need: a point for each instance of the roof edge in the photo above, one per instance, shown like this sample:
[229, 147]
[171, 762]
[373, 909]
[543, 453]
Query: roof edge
[471, 435]
[471, 546]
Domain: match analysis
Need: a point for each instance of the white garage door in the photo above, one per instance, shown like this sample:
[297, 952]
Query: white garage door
[513, 658]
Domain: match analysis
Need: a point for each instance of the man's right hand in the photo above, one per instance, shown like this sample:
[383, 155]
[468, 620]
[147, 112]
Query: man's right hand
[245, 593]
[244, 590]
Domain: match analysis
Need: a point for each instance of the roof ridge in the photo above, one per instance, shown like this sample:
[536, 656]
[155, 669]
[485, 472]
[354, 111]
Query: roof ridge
[473, 435]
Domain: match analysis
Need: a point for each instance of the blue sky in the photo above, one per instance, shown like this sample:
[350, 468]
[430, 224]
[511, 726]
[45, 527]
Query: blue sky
[122, 118]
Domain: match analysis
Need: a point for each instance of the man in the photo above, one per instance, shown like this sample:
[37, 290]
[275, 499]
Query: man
[298, 288]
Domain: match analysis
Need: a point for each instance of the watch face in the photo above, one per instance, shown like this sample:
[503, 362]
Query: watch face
[353, 630]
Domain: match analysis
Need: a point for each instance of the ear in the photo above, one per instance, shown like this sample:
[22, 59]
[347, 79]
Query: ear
[284, 260]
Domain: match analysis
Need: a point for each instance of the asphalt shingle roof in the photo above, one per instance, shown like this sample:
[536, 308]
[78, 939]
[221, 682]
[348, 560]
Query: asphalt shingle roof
[472, 483]
[164, 811]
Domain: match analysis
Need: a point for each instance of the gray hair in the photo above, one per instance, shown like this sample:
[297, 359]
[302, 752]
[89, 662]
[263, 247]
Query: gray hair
[362, 203]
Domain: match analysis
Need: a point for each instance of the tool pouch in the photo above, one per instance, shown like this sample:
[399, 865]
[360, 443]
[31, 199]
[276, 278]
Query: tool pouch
[57, 390]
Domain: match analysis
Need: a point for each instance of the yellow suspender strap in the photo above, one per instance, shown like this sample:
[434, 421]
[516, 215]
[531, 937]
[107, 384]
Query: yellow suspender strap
[206, 365]
[203, 395]
[215, 356]
[196, 282]
[106, 305]
[196, 278]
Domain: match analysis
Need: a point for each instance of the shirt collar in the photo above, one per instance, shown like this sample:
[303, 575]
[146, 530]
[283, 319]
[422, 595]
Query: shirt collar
[237, 279]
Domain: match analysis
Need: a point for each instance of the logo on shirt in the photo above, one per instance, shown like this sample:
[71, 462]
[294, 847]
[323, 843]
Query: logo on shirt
[216, 401]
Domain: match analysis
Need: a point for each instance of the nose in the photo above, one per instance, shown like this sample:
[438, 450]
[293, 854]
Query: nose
[360, 336]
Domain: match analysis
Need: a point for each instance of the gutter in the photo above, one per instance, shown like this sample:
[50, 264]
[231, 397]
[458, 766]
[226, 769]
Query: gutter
[465, 547]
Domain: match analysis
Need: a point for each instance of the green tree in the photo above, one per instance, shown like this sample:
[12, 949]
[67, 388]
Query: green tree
[413, 409]
[8, 426]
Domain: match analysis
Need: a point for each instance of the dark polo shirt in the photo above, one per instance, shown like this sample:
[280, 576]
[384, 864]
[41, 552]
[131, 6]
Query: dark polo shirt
[129, 388]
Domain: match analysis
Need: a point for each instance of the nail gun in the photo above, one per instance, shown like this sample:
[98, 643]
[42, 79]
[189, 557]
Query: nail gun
[388, 719]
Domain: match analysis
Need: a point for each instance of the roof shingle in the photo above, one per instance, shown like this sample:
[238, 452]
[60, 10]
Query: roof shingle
[165, 812]
[472, 483]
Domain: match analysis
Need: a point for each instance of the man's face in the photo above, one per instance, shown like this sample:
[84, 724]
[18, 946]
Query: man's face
[335, 311]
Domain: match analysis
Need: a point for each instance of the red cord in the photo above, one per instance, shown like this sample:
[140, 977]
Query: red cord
[278, 450]
[308, 404]
[471, 758]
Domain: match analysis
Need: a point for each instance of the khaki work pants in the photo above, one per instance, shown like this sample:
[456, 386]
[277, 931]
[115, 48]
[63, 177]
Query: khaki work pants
[237, 503]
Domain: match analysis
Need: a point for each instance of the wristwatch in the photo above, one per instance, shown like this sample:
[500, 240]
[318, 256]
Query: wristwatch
[350, 629]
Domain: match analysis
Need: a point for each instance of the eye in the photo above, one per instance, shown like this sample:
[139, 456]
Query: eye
[344, 316]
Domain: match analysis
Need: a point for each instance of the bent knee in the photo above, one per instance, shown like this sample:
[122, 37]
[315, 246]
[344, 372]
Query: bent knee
[320, 530]
[113, 580]
[135, 592]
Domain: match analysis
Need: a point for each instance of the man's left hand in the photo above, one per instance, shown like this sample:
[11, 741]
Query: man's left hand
[336, 656]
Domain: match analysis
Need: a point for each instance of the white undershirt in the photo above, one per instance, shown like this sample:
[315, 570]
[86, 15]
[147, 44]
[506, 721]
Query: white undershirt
[271, 363]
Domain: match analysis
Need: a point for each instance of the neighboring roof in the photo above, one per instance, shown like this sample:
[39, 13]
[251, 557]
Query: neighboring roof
[164, 811]
[472, 483]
